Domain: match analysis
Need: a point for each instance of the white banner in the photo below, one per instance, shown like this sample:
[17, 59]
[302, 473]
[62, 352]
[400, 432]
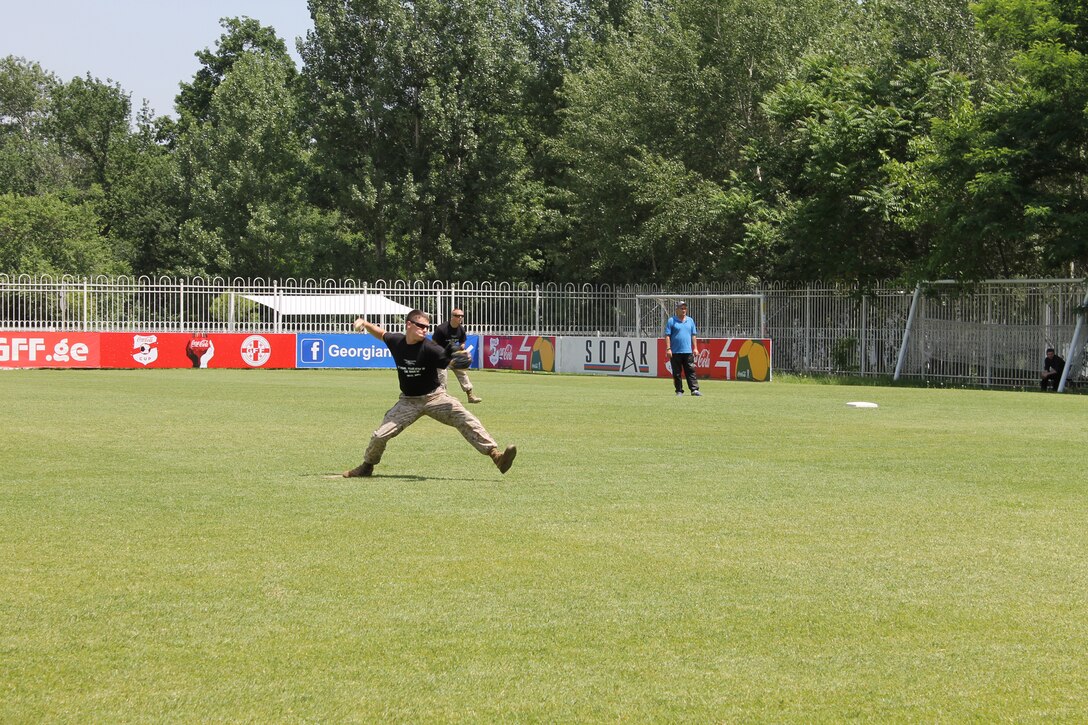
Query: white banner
[608, 356]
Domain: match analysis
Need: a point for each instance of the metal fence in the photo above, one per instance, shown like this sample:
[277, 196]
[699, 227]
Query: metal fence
[990, 334]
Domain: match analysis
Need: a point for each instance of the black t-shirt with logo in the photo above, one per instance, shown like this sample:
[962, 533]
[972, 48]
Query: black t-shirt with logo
[445, 333]
[417, 365]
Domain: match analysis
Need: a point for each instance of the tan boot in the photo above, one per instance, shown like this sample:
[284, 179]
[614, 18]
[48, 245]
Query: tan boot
[474, 398]
[505, 459]
[363, 470]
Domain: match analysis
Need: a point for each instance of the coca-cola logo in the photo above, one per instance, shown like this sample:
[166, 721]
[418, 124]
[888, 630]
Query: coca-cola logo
[200, 350]
[145, 348]
[497, 354]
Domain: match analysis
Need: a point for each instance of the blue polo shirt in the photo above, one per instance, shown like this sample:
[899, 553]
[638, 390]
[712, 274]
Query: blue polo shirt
[680, 334]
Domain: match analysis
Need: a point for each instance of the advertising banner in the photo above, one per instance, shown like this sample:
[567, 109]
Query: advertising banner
[196, 350]
[342, 351]
[353, 351]
[49, 349]
[734, 358]
[609, 356]
[530, 353]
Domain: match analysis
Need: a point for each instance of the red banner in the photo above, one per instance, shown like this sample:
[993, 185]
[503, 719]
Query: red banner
[531, 352]
[726, 359]
[196, 350]
[49, 350]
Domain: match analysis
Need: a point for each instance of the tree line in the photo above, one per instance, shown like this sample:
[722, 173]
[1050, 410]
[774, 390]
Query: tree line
[616, 141]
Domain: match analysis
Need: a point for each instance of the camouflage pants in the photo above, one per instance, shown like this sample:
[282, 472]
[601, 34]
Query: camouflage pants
[462, 378]
[439, 405]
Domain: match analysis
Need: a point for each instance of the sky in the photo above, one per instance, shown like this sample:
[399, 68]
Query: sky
[147, 46]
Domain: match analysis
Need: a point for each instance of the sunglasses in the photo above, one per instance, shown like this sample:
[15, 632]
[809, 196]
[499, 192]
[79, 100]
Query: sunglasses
[456, 315]
[420, 325]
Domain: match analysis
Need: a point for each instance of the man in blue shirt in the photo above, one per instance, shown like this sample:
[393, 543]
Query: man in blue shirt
[681, 347]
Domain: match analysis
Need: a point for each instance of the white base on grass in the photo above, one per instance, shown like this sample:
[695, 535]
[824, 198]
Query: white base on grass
[862, 404]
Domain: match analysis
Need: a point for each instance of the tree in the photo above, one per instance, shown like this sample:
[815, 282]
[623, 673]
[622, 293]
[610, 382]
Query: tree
[420, 136]
[90, 119]
[30, 159]
[1000, 186]
[72, 142]
[241, 36]
[884, 34]
[654, 130]
[140, 211]
[828, 181]
[830, 208]
[46, 234]
[245, 178]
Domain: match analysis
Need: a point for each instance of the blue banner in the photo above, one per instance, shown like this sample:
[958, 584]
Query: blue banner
[342, 351]
[352, 351]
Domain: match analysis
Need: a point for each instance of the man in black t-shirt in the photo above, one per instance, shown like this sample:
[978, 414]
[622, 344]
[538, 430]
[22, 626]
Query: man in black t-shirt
[418, 362]
[1052, 370]
[453, 333]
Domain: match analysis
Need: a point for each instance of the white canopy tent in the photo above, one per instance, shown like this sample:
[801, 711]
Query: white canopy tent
[330, 304]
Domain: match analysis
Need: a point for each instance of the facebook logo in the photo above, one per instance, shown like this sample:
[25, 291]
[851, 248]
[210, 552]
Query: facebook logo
[312, 350]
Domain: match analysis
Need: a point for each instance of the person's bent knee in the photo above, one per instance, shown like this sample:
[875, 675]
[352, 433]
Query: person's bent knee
[387, 431]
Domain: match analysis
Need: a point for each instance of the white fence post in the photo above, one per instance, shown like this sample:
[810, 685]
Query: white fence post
[536, 311]
[277, 293]
[808, 327]
[863, 334]
[763, 316]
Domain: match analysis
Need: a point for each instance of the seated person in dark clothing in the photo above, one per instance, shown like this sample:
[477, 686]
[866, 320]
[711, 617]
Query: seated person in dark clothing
[1052, 369]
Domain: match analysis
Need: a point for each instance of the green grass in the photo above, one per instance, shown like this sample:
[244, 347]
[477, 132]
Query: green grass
[172, 547]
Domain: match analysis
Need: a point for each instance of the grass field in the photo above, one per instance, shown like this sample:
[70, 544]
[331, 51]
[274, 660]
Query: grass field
[173, 547]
